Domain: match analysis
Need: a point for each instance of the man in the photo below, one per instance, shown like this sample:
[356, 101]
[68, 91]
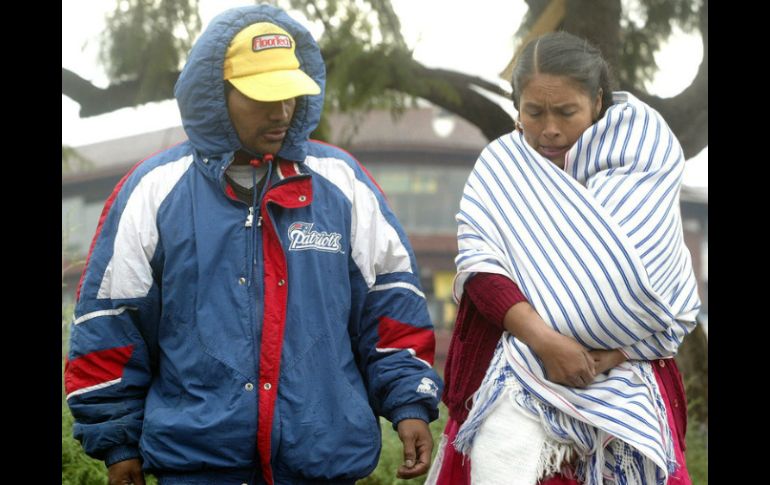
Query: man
[250, 304]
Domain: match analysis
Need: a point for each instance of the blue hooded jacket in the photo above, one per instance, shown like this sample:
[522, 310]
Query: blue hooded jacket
[224, 343]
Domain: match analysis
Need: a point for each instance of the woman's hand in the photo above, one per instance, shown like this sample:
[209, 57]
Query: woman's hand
[605, 360]
[566, 361]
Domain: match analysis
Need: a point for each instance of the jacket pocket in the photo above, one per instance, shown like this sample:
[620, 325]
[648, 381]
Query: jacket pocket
[328, 430]
[199, 415]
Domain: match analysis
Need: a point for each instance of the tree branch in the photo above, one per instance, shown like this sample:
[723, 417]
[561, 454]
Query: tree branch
[389, 18]
[95, 101]
[477, 109]
[459, 77]
[474, 107]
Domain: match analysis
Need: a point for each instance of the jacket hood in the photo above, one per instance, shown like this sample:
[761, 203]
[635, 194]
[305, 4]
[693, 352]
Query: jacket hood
[200, 89]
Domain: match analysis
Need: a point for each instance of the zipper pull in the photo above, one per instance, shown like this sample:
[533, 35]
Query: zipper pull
[259, 221]
[250, 217]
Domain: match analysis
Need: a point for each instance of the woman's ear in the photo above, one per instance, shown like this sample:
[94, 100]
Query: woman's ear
[598, 104]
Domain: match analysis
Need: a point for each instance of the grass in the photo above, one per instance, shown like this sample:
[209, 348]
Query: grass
[697, 454]
[79, 469]
[392, 454]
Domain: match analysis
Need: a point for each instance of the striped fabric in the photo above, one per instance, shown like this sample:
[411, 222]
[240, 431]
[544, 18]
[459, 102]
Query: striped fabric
[598, 250]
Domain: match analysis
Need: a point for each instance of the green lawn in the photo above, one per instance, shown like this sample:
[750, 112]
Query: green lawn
[697, 454]
[78, 469]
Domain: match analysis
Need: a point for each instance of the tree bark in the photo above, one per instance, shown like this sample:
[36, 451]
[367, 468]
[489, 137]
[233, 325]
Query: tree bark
[599, 22]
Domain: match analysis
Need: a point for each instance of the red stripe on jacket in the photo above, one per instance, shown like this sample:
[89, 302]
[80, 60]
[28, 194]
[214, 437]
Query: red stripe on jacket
[396, 335]
[293, 194]
[96, 368]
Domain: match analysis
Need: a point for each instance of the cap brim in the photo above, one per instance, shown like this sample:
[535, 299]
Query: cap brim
[276, 85]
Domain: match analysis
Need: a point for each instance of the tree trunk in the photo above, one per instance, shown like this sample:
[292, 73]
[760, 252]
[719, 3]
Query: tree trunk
[599, 22]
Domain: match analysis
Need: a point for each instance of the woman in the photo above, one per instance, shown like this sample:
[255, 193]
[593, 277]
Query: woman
[570, 241]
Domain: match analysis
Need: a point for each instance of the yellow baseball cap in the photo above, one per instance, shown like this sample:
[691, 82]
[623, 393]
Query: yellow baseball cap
[261, 63]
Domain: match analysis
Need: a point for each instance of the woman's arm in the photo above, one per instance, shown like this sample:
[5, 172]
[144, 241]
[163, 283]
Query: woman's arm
[566, 362]
[501, 302]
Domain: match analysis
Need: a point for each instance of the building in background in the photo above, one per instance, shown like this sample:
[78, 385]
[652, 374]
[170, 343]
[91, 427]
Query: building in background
[421, 161]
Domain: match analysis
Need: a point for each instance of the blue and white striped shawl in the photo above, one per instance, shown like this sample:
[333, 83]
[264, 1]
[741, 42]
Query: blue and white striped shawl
[598, 251]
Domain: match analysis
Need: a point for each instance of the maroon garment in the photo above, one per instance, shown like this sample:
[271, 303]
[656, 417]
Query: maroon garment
[479, 325]
[456, 468]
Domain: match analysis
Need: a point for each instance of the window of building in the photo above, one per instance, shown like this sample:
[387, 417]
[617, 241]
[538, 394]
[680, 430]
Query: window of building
[425, 199]
[79, 219]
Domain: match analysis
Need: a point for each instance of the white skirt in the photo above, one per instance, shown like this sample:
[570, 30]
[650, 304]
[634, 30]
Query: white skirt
[511, 447]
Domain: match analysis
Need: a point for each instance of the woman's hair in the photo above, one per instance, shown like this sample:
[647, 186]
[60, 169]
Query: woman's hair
[564, 54]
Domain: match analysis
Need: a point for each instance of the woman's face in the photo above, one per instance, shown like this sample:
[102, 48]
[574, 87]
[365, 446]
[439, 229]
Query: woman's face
[555, 111]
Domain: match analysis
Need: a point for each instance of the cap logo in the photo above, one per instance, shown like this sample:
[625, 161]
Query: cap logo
[270, 41]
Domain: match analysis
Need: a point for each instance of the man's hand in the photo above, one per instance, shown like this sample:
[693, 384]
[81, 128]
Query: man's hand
[418, 444]
[607, 359]
[127, 471]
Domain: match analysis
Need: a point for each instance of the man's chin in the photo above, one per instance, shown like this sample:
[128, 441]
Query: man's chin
[265, 148]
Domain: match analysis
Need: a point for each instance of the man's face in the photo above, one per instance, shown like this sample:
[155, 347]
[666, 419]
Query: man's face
[261, 125]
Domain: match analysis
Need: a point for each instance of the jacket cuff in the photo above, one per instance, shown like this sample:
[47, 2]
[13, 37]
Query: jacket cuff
[121, 453]
[409, 411]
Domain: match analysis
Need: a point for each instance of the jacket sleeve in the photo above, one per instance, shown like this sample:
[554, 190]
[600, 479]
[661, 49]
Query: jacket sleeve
[394, 340]
[113, 333]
